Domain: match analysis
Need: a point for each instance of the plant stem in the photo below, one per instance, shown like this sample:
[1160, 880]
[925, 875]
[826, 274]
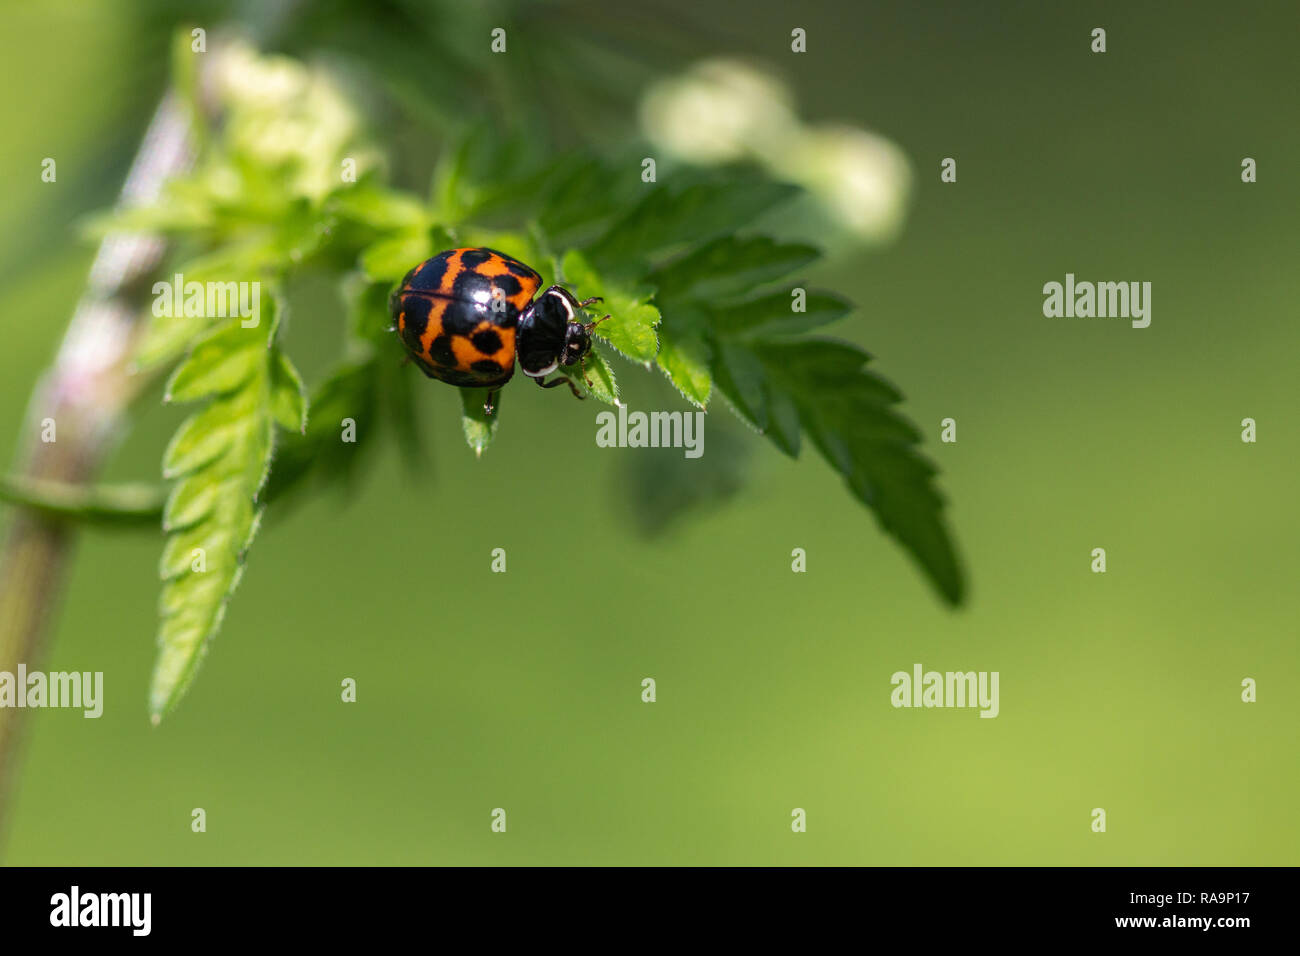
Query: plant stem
[83, 394]
[118, 505]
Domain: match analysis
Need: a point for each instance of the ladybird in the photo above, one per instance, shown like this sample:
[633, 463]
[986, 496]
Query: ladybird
[466, 315]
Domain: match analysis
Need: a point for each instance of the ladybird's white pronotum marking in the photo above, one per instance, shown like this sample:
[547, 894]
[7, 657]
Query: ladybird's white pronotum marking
[564, 301]
[568, 310]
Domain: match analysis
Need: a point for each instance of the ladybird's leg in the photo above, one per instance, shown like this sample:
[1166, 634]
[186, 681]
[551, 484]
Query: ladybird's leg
[591, 325]
[562, 380]
[490, 403]
[586, 302]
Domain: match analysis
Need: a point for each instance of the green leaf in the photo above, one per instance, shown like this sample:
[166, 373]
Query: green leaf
[783, 422]
[369, 321]
[685, 358]
[221, 457]
[631, 326]
[599, 380]
[174, 215]
[847, 412]
[166, 338]
[380, 208]
[203, 561]
[191, 500]
[203, 437]
[387, 260]
[220, 363]
[773, 314]
[740, 376]
[288, 394]
[476, 156]
[480, 426]
[582, 196]
[728, 267]
[666, 220]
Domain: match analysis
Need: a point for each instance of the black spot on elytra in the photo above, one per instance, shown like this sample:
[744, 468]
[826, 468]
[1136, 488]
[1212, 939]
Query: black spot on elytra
[487, 341]
[416, 308]
[461, 317]
[475, 257]
[486, 366]
[427, 276]
[472, 287]
[508, 284]
[440, 351]
[521, 270]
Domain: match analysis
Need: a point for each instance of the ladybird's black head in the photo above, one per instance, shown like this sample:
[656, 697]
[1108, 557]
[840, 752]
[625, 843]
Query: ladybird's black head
[577, 343]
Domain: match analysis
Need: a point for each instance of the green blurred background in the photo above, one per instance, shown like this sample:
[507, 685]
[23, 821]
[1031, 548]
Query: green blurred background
[522, 690]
